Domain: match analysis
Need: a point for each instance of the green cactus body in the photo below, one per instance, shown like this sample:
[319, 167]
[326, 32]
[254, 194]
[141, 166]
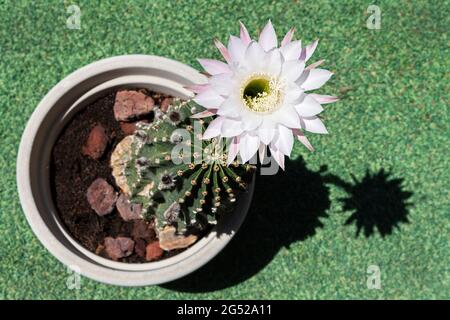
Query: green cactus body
[181, 181]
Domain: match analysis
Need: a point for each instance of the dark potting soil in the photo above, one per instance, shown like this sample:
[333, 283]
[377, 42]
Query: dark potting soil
[72, 173]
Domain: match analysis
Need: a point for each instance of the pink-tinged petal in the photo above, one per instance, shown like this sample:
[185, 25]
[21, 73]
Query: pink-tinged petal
[274, 62]
[214, 128]
[231, 128]
[197, 88]
[262, 152]
[245, 36]
[288, 37]
[292, 70]
[303, 139]
[324, 99]
[236, 49]
[308, 51]
[268, 37]
[287, 116]
[233, 149]
[292, 50]
[308, 107]
[229, 108]
[248, 146]
[314, 125]
[209, 99]
[284, 140]
[303, 78]
[314, 65]
[223, 50]
[277, 155]
[222, 83]
[255, 55]
[214, 66]
[204, 114]
[315, 79]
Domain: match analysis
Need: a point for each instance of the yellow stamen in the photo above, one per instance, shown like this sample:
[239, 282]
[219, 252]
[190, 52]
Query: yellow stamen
[262, 93]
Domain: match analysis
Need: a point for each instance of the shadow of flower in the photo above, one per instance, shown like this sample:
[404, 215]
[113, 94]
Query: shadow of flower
[376, 202]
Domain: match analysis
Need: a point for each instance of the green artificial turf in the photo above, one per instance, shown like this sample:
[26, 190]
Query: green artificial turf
[390, 131]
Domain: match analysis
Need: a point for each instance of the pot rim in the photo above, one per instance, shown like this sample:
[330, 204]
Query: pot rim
[89, 264]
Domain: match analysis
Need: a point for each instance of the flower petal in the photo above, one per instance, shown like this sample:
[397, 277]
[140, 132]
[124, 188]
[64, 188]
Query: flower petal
[288, 37]
[214, 66]
[268, 37]
[197, 88]
[277, 155]
[274, 61]
[315, 78]
[314, 125]
[262, 152]
[236, 49]
[229, 108]
[284, 140]
[222, 83]
[308, 107]
[292, 50]
[213, 129]
[209, 99]
[250, 120]
[308, 51]
[223, 50]
[324, 99]
[254, 55]
[293, 93]
[287, 116]
[292, 70]
[248, 146]
[231, 128]
[233, 149]
[266, 131]
[315, 64]
[303, 139]
[245, 36]
[204, 114]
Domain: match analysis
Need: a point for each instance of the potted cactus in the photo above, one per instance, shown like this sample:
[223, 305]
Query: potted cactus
[181, 183]
[73, 141]
[135, 169]
[133, 180]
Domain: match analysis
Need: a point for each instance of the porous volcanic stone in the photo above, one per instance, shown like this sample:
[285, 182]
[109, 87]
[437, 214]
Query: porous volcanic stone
[131, 105]
[101, 196]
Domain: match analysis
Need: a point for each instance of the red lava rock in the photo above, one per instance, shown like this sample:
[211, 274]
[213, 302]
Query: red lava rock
[153, 251]
[96, 143]
[131, 104]
[140, 247]
[119, 247]
[101, 196]
[128, 210]
[143, 230]
[165, 104]
[130, 127]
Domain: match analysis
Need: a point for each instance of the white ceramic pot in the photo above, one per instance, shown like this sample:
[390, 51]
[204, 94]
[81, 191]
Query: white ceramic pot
[75, 92]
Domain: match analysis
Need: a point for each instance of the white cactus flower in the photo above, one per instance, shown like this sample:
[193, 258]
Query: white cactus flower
[260, 96]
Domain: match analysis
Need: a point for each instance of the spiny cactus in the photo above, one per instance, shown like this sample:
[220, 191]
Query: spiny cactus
[182, 182]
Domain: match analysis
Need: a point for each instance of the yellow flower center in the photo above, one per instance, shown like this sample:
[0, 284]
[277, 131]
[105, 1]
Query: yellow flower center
[262, 93]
